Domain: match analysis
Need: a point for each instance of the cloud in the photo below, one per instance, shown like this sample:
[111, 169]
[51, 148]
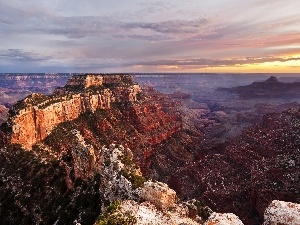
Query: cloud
[154, 7]
[151, 38]
[20, 55]
[204, 62]
[220, 33]
[81, 27]
[169, 26]
[37, 19]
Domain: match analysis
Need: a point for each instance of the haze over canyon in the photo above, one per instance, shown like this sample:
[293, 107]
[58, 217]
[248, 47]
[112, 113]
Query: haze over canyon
[150, 148]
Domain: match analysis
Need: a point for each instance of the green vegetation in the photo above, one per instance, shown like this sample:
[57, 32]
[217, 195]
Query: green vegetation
[5, 128]
[95, 88]
[35, 99]
[38, 99]
[203, 211]
[113, 216]
[53, 101]
[137, 181]
[140, 96]
[74, 88]
[129, 172]
[44, 189]
[61, 135]
[18, 106]
[127, 80]
[126, 160]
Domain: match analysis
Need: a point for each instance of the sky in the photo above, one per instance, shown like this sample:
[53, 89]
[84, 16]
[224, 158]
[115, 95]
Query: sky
[218, 36]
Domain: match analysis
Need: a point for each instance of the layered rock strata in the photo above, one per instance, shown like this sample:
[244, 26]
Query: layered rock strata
[33, 118]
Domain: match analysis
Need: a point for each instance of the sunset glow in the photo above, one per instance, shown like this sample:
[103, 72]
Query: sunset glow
[150, 36]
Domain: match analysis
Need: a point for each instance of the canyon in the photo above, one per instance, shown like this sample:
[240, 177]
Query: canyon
[101, 136]
[33, 118]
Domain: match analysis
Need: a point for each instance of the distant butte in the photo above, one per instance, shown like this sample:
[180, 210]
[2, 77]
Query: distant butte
[272, 79]
[270, 88]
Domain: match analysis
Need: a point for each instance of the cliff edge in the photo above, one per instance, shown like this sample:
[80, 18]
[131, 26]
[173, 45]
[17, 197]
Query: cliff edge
[34, 117]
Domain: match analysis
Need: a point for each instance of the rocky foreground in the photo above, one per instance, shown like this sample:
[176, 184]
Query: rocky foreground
[90, 148]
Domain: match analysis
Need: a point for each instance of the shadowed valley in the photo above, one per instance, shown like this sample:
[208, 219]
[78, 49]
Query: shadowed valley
[96, 140]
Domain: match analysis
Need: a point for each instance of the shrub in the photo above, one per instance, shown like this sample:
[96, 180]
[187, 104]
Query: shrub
[136, 180]
[113, 216]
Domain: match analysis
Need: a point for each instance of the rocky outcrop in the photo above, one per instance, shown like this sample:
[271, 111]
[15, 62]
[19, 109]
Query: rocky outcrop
[121, 177]
[79, 83]
[158, 194]
[85, 81]
[146, 213]
[33, 118]
[3, 113]
[35, 122]
[264, 160]
[282, 213]
[223, 219]
[85, 162]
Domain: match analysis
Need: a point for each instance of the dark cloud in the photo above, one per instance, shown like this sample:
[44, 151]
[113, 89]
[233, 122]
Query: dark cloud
[170, 26]
[79, 27]
[23, 56]
[152, 38]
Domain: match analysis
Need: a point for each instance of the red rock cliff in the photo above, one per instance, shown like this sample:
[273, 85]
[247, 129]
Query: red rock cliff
[36, 116]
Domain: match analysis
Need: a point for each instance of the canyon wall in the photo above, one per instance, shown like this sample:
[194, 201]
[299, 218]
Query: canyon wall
[33, 118]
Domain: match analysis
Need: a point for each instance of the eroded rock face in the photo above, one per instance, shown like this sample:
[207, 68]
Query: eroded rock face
[85, 81]
[146, 213]
[35, 122]
[264, 160]
[158, 194]
[282, 213]
[34, 118]
[83, 154]
[3, 113]
[118, 172]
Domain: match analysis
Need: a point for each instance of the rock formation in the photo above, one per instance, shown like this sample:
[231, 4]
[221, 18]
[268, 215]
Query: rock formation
[282, 213]
[264, 160]
[150, 202]
[73, 172]
[33, 118]
[3, 113]
[223, 219]
[158, 194]
[270, 88]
